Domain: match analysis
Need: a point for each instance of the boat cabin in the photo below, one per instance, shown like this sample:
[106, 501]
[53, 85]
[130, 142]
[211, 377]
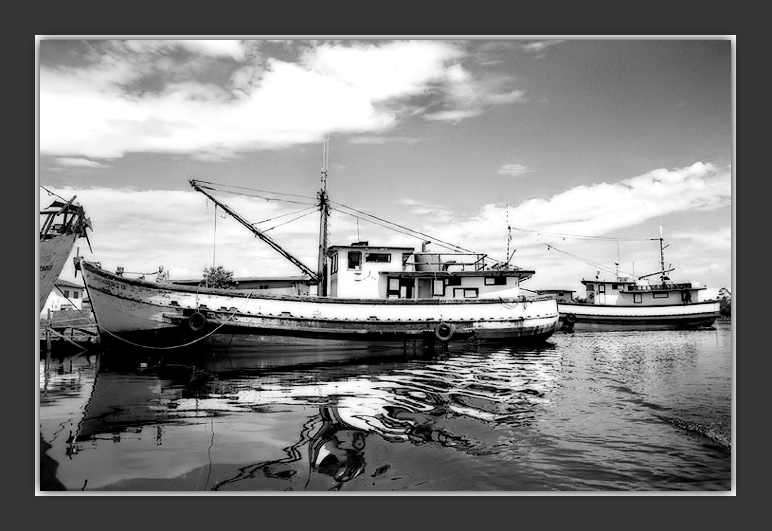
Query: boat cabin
[626, 292]
[368, 272]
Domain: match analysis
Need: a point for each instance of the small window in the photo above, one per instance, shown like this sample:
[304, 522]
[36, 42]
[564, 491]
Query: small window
[614, 286]
[637, 297]
[454, 281]
[334, 263]
[590, 287]
[75, 294]
[601, 288]
[661, 295]
[354, 260]
[378, 257]
[438, 288]
[66, 294]
[495, 281]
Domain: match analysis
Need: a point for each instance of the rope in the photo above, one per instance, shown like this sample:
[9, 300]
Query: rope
[100, 327]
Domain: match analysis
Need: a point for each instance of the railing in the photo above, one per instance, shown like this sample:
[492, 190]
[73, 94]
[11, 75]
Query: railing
[659, 287]
[445, 261]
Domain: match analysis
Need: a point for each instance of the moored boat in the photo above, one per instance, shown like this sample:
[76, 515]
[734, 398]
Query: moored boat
[366, 296]
[626, 303]
[62, 223]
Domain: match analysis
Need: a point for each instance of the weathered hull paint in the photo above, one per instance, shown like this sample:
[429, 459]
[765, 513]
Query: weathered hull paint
[147, 315]
[610, 317]
[53, 255]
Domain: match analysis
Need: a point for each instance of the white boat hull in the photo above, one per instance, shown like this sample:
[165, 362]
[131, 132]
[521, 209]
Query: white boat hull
[53, 254]
[143, 314]
[580, 317]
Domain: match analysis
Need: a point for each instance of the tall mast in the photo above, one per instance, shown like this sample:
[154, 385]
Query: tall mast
[324, 210]
[662, 254]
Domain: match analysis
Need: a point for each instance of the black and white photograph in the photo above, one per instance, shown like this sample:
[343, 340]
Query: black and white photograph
[332, 265]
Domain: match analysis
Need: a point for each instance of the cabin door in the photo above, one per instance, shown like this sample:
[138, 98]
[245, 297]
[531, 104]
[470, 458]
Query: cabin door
[406, 288]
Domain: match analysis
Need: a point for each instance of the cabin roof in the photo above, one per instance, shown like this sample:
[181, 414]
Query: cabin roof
[67, 284]
[369, 248]
[583, 281]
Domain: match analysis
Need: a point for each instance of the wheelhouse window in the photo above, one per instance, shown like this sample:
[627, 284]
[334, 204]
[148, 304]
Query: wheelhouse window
[334, 263]
[454, 281]
[355, 260]
[378, 257]
[614, 286]
[601, 288]
[465, 293]
[438, 288]
[495, 281]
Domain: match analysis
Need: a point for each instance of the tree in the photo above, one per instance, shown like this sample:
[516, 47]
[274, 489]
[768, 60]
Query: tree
[218, 277]
[725, 302]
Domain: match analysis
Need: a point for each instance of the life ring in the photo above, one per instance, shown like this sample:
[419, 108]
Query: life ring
[444, 331]
[570, 318]
[196, 322]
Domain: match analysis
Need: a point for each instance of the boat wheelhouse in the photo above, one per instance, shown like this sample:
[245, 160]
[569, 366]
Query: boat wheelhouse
[362, 271]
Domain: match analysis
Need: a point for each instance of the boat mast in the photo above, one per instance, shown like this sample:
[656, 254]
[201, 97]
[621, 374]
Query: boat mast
[324, 211]
[662, 256]
[307, 270]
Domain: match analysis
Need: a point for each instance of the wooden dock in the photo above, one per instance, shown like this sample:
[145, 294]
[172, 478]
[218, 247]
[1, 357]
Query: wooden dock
[67, 332]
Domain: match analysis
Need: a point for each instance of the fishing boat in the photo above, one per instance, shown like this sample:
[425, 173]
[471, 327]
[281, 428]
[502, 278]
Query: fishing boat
[365, 296]
[638, 303]
[61, 224]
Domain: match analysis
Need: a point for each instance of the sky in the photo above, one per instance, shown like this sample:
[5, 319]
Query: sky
[567, 156]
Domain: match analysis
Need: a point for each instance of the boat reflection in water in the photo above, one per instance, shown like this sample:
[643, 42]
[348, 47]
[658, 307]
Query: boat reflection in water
[235, 423]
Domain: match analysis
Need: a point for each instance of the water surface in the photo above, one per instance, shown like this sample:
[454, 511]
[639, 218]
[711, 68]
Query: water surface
[594, 411]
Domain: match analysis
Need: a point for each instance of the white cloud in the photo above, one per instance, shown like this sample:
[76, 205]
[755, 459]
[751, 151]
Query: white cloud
[79, 162]
[540, 46]
[454, 115]
[134, 96]
[513, 170]
[387, 71]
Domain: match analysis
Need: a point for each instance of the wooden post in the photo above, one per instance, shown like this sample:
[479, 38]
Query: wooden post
[48, 349]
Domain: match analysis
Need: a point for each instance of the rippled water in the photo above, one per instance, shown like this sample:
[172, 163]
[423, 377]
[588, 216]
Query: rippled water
[638, 411]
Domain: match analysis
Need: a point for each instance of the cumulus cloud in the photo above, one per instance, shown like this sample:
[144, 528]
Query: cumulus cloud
[147, 96]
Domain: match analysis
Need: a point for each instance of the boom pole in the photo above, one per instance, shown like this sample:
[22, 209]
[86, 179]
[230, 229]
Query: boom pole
[307, 270]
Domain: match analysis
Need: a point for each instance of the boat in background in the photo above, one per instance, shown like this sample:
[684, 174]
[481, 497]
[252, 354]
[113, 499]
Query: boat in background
[626, 303]
[365, 296]
[61, 224]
